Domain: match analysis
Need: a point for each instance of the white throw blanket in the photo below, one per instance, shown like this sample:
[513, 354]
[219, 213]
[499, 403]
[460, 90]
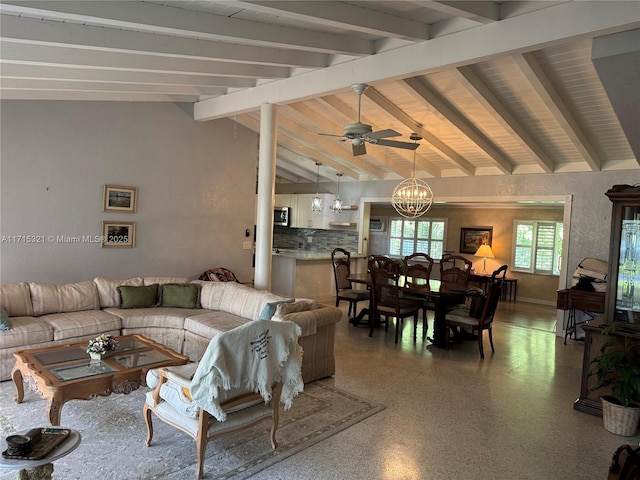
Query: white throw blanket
[253, 356]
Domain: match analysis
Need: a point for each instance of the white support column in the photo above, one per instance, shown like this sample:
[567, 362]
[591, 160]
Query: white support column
[266, 186]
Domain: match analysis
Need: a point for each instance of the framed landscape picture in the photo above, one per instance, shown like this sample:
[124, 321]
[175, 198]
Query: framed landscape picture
[117, 198]
[118, 234]
[472, 237]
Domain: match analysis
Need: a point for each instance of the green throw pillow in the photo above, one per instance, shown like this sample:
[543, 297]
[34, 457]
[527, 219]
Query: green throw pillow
[5, 324]
[180, 295]
[270, 308]
[138, 297]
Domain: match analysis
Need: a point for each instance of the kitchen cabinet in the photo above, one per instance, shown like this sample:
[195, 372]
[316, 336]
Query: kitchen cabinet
[304, 217]
[282, 200]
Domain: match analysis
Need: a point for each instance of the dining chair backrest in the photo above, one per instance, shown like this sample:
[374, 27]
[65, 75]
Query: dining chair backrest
[494, 292]
[385, 290]
[418, 265]
[341, 261]
[455, 271]
[499, 273]
[382, 262]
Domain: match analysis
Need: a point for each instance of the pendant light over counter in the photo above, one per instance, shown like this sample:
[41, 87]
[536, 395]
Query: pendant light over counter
[337, 203]
[412, 197]
[316, 202]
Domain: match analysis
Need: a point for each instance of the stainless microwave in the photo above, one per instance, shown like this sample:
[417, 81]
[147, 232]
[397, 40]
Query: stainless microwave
[281, 216]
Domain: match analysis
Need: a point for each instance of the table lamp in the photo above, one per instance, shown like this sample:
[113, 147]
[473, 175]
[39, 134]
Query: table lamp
[485, 252]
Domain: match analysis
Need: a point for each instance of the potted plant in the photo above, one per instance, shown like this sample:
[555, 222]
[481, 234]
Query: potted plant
[617, 367]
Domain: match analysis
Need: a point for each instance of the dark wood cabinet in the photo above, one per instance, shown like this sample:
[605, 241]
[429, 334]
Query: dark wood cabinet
[622, 300]
[623, 281]
[588, 401]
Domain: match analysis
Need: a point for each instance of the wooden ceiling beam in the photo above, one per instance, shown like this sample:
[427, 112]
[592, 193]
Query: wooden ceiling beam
[543, 86]
[483, 95]
[440, 147]
[426, 96]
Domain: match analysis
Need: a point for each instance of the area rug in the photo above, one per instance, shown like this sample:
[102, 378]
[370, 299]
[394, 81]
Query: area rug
[113, 435]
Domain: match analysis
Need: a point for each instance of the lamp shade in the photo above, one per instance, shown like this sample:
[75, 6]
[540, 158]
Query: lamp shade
[484, 251]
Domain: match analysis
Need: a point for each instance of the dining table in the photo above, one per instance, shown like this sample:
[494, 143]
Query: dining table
[433, 289]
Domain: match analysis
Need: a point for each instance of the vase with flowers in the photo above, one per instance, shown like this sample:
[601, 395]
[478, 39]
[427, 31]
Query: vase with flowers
[101, 346]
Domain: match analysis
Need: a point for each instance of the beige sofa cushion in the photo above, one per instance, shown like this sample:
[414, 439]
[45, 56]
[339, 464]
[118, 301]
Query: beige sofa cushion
[15, 299]
[73, 325]
[26, 331]
[294, 307]
[108, 289]
[162, 317]
[163, 280]
[210, 323]
[73, 297]
[236, 298]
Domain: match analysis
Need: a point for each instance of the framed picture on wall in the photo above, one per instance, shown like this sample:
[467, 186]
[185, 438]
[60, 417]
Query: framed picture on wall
[117, 198]
[118, 234]
[472, 237]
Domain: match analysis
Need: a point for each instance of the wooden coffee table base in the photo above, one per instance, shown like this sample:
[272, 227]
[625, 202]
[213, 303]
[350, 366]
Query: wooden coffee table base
[119, 379]
[57, 397]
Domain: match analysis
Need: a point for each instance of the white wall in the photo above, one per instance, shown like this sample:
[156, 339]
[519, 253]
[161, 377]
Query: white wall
[196, 185]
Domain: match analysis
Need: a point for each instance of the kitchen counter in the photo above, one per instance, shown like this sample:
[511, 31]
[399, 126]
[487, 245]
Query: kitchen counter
[304, 274]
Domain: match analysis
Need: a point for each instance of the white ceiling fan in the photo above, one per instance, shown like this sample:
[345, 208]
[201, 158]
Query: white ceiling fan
[359, 132]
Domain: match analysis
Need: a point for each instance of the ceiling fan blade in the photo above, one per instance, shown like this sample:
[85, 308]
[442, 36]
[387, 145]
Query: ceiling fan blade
[396, 144]
[359, 149]
[329, 134]
[383, 134]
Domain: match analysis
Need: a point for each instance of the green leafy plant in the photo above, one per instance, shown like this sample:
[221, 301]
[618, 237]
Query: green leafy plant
[617, 366]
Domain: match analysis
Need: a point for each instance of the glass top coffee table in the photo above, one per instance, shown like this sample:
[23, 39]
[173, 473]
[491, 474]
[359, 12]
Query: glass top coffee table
[66, 372]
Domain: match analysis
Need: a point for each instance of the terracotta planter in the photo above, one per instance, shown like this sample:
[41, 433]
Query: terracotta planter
[619, 419]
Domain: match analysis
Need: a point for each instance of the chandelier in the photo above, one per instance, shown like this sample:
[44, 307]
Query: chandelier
[337, 203]
[316, 202]
[412, 197]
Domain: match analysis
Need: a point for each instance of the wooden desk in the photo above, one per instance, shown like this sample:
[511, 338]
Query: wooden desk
[418, 286]
[509, 286]
[588, 302]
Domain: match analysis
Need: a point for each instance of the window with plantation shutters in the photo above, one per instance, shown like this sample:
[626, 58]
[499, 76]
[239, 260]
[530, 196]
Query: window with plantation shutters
[537, 247]
[410, 236]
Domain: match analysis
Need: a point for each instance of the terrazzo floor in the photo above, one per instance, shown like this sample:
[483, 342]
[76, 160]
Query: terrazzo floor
[450, 415]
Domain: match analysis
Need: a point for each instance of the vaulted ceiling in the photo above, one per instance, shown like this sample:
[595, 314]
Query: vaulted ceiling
[493, 88]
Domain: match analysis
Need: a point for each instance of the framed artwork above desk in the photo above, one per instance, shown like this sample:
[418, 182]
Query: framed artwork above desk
[472, 237]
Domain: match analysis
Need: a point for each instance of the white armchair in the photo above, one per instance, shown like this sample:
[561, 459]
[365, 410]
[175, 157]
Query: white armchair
[241, 379]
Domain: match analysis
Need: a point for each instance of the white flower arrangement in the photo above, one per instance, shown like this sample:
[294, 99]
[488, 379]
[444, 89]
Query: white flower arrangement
[102, 344]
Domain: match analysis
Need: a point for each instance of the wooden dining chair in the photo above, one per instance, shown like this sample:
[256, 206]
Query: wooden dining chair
[482, 319]
[419, 265]
[455, 271]
[382, 262]
[341, 261]
[388, 303]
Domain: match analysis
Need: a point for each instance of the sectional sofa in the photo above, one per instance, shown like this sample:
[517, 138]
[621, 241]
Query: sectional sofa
[44, 314]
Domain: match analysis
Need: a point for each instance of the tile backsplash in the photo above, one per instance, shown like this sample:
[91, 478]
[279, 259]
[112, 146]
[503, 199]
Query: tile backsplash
[322, 241]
